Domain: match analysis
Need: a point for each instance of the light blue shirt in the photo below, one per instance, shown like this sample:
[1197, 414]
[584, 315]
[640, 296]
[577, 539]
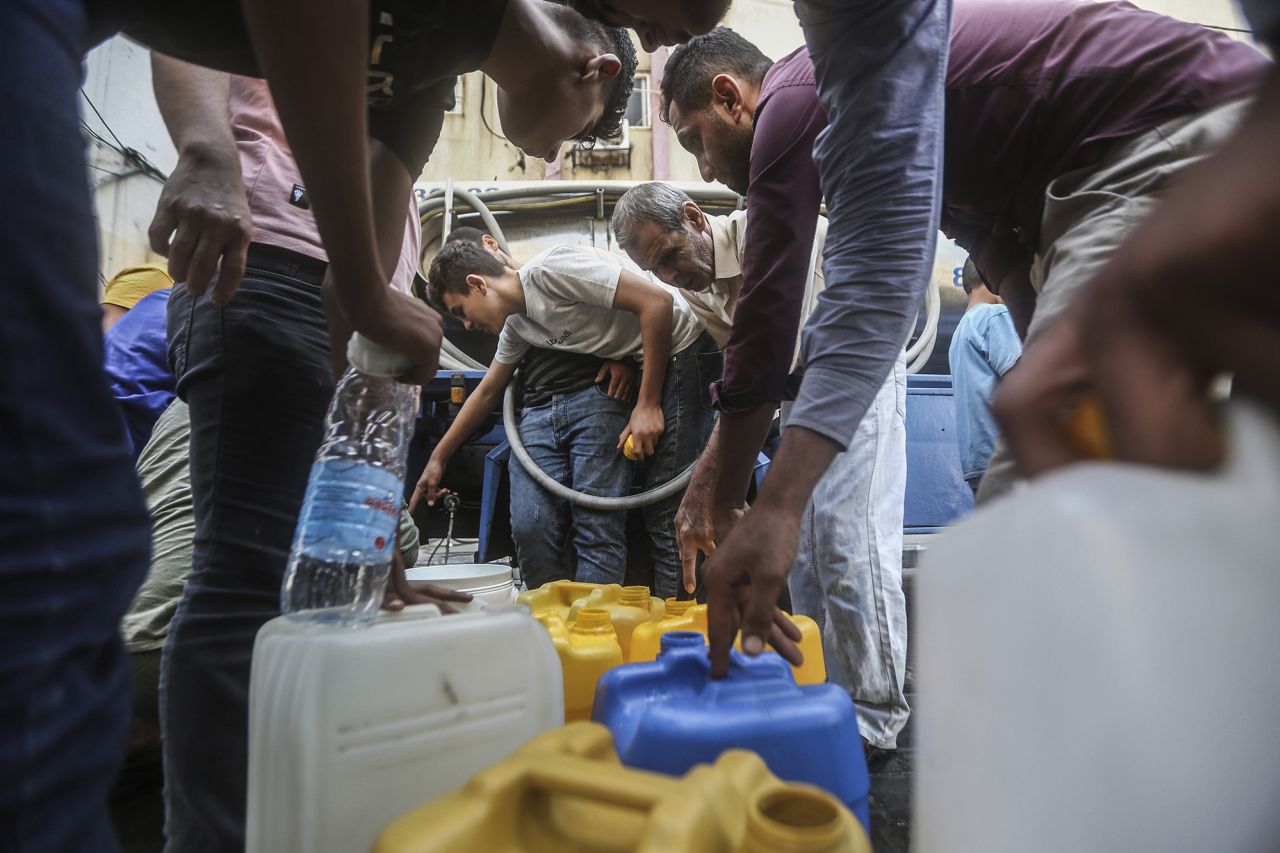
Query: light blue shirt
[983, 348]
[880, 67]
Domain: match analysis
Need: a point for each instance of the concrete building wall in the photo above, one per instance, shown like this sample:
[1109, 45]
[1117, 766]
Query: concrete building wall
[118, 84]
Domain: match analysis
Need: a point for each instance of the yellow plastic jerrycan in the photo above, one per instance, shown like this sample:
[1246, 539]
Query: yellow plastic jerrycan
[588, 648]
[646, 641]
[559, 596]
[566, 790]
[632, 606]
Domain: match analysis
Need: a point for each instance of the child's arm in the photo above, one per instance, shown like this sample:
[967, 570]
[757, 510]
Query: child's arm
[478, 405]
[653, 306]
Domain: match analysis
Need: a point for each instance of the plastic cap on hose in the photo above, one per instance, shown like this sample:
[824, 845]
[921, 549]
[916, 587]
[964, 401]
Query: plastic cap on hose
[374, 359]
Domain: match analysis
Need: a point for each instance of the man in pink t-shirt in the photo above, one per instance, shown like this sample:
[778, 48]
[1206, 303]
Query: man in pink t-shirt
[257, 375]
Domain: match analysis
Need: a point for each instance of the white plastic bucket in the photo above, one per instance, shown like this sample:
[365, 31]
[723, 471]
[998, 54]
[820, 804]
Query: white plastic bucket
[490, 583]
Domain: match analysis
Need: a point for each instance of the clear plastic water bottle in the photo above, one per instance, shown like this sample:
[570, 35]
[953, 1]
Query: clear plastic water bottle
[346, 532]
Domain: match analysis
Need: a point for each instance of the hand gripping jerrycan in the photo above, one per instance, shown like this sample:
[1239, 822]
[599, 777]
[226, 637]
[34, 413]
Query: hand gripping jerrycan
[587, 648]
[646, 641]
[669, 715]
[348, 729]
[566, 791]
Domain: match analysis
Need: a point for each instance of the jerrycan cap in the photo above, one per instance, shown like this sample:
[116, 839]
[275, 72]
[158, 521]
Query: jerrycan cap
[682, 640]
[593, 620]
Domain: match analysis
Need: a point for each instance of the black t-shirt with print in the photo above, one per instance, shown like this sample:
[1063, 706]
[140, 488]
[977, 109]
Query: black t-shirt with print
[547, 372]
[416, 49]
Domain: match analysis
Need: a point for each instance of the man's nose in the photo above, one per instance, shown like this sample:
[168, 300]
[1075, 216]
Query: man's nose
[708, 173]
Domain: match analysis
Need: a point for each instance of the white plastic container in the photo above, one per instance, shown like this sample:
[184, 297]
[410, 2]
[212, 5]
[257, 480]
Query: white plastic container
[490, 583]
[1099, 662]
[351, 728]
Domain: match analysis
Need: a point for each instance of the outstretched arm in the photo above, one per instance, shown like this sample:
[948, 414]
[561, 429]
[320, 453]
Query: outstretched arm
[653, 306]
[478, 405]
[315, 56]
[880, 71]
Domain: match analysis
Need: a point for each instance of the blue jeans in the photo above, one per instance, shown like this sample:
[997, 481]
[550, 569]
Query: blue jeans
[573, 438]
[686, 409]
[74, 537]
[257, 378]
[848, 571]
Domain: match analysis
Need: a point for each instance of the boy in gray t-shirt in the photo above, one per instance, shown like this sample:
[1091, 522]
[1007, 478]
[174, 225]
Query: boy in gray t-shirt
[581, 299]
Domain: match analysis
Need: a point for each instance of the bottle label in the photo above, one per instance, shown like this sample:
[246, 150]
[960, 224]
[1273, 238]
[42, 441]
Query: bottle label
[351, 508]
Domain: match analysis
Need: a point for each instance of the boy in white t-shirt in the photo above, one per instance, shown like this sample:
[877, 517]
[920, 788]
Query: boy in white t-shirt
[587, 300]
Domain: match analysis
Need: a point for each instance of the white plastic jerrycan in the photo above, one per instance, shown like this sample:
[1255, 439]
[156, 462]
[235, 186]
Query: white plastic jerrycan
[351, 728]
[1099, 662]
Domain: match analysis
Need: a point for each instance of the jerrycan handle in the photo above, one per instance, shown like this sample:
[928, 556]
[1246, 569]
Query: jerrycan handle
[581, 777]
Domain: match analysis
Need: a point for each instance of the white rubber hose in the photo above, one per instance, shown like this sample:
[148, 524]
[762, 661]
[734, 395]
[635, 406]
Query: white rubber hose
[919, 352]
[650, 496]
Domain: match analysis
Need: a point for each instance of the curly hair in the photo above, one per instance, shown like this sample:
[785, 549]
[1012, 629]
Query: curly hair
[615, 40]
[687, 76]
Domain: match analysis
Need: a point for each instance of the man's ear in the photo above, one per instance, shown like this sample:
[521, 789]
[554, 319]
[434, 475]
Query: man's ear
[695, 216]
[476, 282]
[488, 242]
[726, 93]
[603, 67]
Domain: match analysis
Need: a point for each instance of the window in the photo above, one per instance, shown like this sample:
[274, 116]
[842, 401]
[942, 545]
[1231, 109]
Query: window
[458, 89]
[638, 106]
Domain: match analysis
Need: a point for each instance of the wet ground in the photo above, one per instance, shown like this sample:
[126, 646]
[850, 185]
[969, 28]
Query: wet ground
[891, 787]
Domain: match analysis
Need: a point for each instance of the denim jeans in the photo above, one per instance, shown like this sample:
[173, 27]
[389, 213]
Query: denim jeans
[688, 416]
[573, 438]
[74, 536]
[848, 570]
[257, 377]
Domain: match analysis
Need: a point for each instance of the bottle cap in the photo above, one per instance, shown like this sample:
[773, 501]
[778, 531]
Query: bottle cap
[634, 596]
[675, 607]
[593, 620]
[375, 360]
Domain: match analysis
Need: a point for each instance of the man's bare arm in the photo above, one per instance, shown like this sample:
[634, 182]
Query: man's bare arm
[315, 56]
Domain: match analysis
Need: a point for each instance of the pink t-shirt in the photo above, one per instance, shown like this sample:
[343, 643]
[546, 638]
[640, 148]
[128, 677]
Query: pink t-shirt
[273, 184]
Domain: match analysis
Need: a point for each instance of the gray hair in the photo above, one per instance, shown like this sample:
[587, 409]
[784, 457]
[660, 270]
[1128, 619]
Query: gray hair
[656, 202]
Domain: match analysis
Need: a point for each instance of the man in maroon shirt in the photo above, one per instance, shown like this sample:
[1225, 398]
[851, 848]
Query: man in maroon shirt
[763, 150]
[1187, 296]
[1044, 98]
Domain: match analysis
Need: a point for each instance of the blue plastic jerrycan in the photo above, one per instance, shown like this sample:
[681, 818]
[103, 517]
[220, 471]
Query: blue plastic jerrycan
[669, 715]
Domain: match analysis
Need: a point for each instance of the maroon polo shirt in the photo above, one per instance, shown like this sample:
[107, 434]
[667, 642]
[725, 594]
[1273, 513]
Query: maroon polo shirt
[1035, 88]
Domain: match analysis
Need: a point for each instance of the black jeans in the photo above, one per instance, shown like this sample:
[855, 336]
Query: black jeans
[258, 379]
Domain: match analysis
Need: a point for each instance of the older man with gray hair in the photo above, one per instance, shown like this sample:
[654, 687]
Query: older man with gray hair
[848, 570]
